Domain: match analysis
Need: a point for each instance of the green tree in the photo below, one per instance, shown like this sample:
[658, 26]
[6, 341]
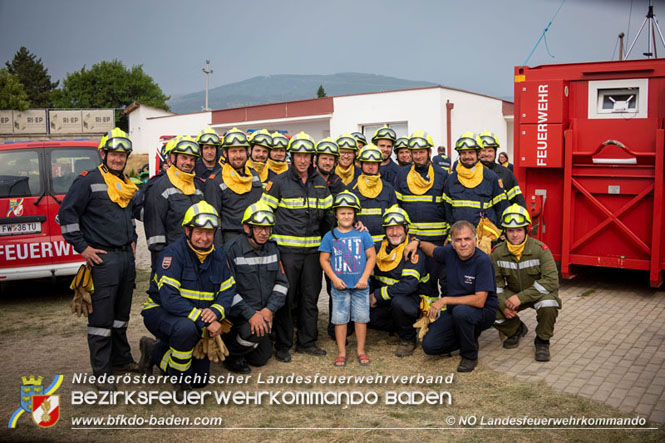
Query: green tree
[34, 77]
[12, 92]
[321, 92]
[110, 85]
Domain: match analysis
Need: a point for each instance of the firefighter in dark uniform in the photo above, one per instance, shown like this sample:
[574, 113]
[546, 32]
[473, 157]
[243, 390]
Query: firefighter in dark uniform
[277, 161]
[490, 144]
[526, 277]
[348, 149]
[165, 163]
[170, 196]
[301, 201]
[398, 283]
[441, 159]
[402, 152]
[192, 289]
[261, 290]
[360, 139]
[384, 138]
[208, 164]
[235, 187]
[327, 154]
[96, 219]
[260, 144]
[374, 192]
[472, 191]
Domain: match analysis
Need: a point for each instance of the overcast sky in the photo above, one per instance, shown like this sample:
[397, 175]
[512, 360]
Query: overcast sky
[471, 45]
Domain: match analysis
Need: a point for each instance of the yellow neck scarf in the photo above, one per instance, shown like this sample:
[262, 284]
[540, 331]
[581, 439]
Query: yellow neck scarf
[201, 255]
[370, 186]
[505, 164]
[517, 250]
[345, 174]
[417, 184]
[120, 190]
[277, 167]
[181, 180]
[240, 184]
[470, 178]
[260, 168]
[387, 261]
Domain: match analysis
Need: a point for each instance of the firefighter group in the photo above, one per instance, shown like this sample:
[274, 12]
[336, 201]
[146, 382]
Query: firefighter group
[244, 229]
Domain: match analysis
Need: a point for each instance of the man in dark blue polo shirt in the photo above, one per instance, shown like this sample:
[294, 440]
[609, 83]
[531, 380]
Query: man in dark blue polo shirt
[471, 302]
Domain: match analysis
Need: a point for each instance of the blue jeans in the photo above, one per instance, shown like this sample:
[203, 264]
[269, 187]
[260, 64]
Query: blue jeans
[350, 303]
[458, 327]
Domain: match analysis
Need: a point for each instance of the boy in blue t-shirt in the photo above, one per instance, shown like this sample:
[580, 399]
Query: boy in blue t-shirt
[347, 257]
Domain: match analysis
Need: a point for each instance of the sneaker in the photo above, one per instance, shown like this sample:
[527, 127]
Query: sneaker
[146, 345]
[239, 366]
[466, 365]
[514, 340]
[405, 348]
[311, 350]
[283, 355]
[542, 351]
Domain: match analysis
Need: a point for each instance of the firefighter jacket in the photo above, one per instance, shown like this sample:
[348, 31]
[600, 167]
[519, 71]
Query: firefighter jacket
[202, 171]
[260, 278]
[165, 207]
[371, 214]
[509, 182]
[462, 203]
[407, 278]
[426, 211]
[230, 204]
[534, 277]
[335, 184]
[442, 161]
[183, 286]
[389, 172]
[139, 197]
[301, 210]
[88, 217]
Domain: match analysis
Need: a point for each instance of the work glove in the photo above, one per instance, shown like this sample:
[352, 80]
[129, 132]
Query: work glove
[423, 322]
[83, 289]
[217, 349]
[486, 232]
[226, 326]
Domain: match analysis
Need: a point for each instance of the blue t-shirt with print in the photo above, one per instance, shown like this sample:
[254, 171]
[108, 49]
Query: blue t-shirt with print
[347, 253]
[466, 277]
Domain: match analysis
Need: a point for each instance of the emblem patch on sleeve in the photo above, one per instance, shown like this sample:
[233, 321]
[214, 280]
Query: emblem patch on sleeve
[166, 262]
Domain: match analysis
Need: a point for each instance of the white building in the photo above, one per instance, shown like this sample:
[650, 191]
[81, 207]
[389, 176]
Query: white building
[444, 112]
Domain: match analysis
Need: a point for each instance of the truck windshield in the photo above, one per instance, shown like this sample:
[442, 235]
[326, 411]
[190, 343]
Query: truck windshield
[19, 173]
[68, 163]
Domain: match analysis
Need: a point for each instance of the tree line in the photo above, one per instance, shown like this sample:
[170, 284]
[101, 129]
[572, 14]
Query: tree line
[25, 83]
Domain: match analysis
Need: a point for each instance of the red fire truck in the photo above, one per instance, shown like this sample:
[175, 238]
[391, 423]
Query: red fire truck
[589, 148]
[34, 177]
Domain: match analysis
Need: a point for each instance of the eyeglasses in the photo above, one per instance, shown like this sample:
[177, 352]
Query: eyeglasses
[489, 141]
[119, 144]
[209, 221]
[514, 219]
[209, 139]
[187, 147]
[418, 142]
[467, 142]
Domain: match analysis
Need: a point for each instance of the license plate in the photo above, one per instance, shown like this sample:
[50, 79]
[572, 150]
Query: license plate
[20, 228]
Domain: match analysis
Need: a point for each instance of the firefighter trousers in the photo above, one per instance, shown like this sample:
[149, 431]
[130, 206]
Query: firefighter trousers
[111, 304]
[397, 315]
[545, 316]
[177, 337]
[241, 343]
[304, 274]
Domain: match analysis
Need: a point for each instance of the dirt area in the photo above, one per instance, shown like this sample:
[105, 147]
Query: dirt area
[39, 336]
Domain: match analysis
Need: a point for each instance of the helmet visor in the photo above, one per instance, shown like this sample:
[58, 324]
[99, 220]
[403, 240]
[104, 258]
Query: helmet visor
[393, 219]
[118, 144]
[208, 221]
[302, 146]
[209, 139]
[235, 139]
[187, 147]
[262, 139]
[514, 220]
[347, 142]
[418, 143]
[466, 143]
[262, 218]
[489, 141]
[385, 133]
